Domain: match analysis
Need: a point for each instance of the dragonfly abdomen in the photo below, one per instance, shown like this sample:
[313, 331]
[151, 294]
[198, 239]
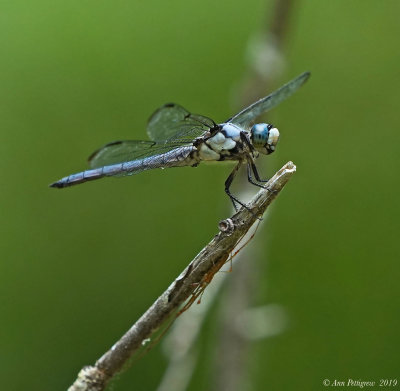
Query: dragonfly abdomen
[180, 156]
[85, 176]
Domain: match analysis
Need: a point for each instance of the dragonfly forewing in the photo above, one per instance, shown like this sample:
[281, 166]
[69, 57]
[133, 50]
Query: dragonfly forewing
[249, 114]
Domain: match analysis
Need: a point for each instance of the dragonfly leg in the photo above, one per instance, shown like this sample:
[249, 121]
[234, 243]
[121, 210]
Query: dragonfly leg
[251, 167]
[257, 176]
[228, 183]
[234, 199]
[250, 178]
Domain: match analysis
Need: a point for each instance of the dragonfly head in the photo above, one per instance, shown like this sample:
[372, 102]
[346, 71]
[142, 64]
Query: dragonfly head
[264, 138]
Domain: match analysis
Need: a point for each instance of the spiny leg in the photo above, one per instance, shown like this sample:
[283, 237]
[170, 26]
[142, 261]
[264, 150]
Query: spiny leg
[257, 176]
[228, 183]
[234, 199]
[249, 176]
[251, 167]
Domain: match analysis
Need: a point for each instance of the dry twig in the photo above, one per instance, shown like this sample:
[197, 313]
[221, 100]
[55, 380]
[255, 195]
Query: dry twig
[185, 289]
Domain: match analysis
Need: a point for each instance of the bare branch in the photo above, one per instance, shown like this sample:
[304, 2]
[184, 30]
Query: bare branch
[185, 289]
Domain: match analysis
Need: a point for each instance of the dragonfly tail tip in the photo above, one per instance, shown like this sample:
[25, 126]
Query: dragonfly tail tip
[58, 185]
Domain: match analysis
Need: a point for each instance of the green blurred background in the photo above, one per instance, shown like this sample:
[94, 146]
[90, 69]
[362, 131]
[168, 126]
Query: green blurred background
[78, 266]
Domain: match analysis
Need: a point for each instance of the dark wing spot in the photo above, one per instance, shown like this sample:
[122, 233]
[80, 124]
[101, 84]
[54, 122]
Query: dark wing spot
[93, 155]
[159, 109]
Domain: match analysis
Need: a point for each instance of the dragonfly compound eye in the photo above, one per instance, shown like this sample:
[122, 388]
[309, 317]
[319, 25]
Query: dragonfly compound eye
[264, 137]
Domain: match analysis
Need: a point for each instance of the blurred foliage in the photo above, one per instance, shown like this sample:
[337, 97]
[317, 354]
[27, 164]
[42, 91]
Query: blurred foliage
[78, 266]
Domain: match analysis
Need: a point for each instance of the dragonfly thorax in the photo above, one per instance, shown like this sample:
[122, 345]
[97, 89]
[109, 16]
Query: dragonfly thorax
[264, 138]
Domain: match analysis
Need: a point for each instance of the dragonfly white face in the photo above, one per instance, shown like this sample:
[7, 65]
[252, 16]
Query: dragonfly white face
[264, 138]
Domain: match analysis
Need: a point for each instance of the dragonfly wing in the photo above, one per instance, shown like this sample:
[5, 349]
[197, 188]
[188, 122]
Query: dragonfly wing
[172, 122]
[128, 150]
[249, 114]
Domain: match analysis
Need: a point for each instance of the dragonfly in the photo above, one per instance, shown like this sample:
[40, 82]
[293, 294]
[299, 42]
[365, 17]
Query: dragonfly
[179, 138]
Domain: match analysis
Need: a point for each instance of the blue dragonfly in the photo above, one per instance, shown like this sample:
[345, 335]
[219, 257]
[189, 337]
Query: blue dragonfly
[179, 138]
